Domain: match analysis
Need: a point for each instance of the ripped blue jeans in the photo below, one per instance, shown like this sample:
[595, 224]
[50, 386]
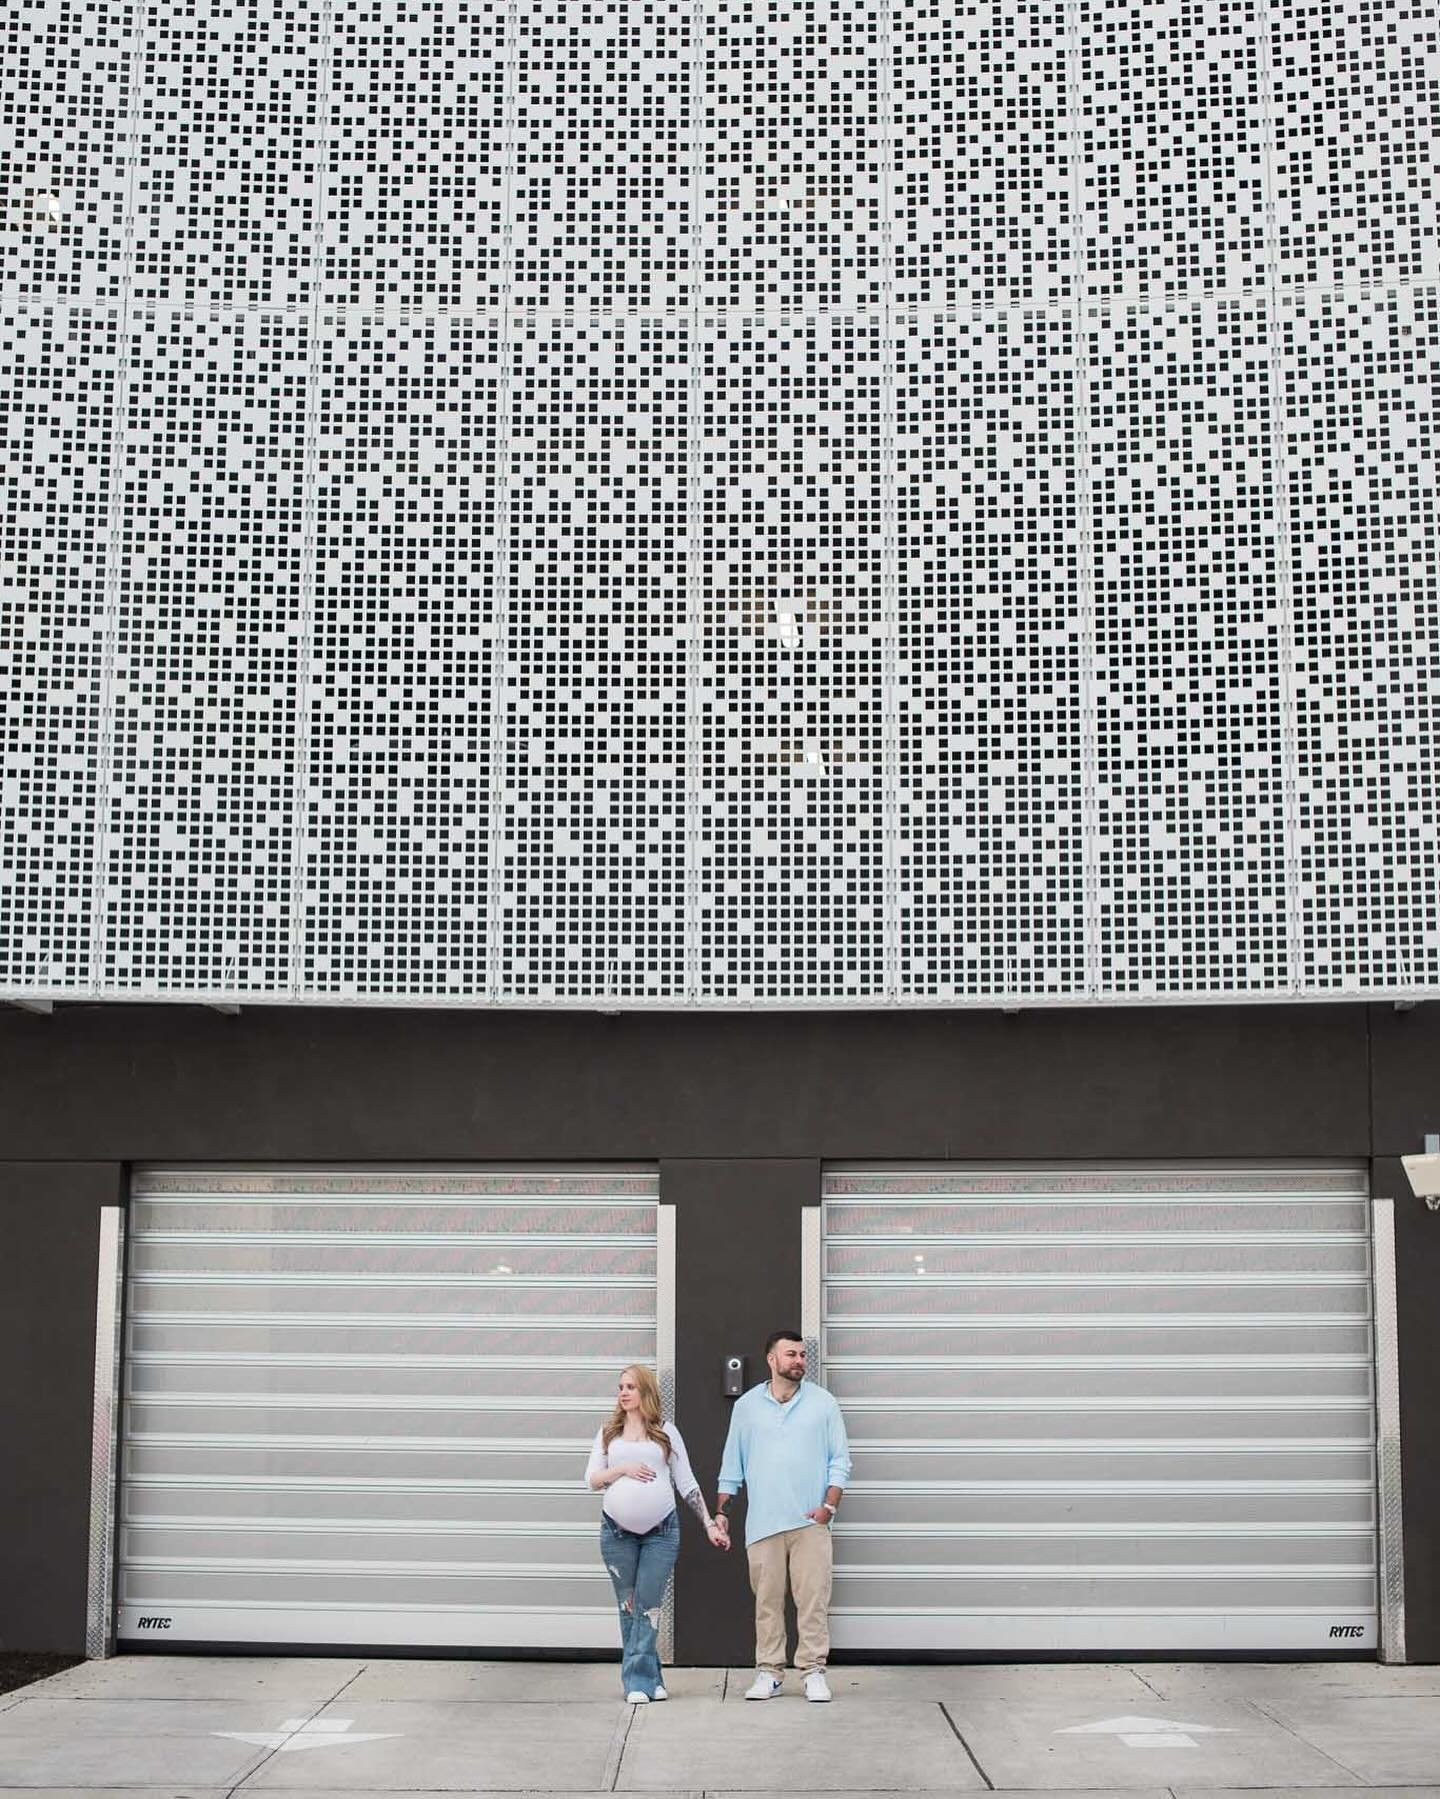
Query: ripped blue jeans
[639, 1568]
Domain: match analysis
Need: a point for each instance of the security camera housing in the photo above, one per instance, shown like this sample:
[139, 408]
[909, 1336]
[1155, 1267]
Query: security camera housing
[1423, 1173]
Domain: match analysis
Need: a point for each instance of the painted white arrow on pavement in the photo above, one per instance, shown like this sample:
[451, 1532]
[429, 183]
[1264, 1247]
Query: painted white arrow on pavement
[1147, 1733]
[301, 1733]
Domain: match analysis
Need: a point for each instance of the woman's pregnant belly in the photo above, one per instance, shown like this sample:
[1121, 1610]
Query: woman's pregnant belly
[639, 1505]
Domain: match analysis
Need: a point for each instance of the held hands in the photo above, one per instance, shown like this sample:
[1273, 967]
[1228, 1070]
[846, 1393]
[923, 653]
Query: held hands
[718, 1531]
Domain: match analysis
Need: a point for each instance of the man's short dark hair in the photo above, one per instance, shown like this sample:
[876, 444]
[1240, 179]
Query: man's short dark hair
[782, 1337]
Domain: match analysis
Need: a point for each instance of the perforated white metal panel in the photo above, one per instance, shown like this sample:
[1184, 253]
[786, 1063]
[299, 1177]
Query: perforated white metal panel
[989, 826]
[415, 131]
[1174, 131]
[1189, 853]
[791, 839]
[589, 896]
[1355, 150]
[62, 366]
[202, 772]
[981, 200]
[1102, 1411]
[63, 94]
[691, 502]
[226, 118]
[792, 159]
[397, 751]
[358, 1405]
[602, 204]
[1362, 374]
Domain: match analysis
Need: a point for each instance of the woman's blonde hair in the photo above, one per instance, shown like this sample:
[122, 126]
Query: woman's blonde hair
[649, 1409]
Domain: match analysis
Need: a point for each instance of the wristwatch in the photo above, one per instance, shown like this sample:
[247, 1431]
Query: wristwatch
[829, 1508]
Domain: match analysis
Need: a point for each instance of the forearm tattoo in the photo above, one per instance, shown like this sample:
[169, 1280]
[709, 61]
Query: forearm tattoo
[696, 1502]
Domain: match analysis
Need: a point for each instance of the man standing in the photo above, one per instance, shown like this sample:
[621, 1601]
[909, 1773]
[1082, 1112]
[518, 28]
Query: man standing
[787, 1444]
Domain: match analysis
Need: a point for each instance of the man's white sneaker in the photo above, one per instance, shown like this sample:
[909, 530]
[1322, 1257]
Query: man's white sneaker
[765, 1686]
[817, 1688]
[659, 1693]
[637, 1699]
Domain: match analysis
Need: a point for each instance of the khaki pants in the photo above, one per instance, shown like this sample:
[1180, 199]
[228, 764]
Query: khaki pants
[804, 1556]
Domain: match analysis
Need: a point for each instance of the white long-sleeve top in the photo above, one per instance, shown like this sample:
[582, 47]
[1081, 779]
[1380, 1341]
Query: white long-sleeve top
[640, 1505]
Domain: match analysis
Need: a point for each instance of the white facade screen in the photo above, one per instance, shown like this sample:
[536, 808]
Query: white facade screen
[358, 1406]
[1103, 1411]
[852, 502]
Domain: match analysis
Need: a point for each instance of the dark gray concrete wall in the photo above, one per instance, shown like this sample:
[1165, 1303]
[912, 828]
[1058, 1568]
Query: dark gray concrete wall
[1405, 1090]
[740, 1110]
[742, 1218]
[166, 1083]
[50, 1217]
[1405, 1078]
[1417, 1305]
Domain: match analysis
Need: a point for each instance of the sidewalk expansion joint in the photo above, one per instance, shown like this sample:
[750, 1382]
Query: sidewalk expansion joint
[270, 1754]
[959, 1738]
[615, 1754]
[1265, 1712]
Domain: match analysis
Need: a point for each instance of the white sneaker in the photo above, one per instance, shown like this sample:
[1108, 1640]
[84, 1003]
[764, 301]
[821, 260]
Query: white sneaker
[637, 1699]
[817, 1689]
[765, 1686]
[660, 1693]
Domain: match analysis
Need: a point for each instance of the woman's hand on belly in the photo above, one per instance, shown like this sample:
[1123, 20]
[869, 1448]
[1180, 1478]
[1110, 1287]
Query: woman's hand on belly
[633, 1471]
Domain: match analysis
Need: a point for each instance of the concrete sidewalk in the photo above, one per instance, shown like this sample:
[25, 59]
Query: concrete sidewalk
[208, 1728]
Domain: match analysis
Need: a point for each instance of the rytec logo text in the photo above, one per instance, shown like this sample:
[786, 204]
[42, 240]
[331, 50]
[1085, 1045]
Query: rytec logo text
[153, 1624]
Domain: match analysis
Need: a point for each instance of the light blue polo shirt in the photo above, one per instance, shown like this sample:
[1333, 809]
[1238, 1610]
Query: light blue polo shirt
[786, 1455]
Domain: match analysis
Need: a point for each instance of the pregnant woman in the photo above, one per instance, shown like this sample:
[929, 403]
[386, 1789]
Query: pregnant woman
[640, 1464]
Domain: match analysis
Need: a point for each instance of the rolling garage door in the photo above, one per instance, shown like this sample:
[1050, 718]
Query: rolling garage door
[358, 1405]
[1102, 1411]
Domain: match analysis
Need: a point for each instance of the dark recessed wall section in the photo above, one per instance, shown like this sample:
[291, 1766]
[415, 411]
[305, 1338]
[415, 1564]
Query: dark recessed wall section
[1405, 1078]
[742, 1218]
[1417, 1285]
[178, 1082]
[740, 1110]
[1405, 1094]
[50, 1216]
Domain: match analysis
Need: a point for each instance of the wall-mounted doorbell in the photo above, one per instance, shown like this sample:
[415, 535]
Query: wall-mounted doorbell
[734, 1382]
